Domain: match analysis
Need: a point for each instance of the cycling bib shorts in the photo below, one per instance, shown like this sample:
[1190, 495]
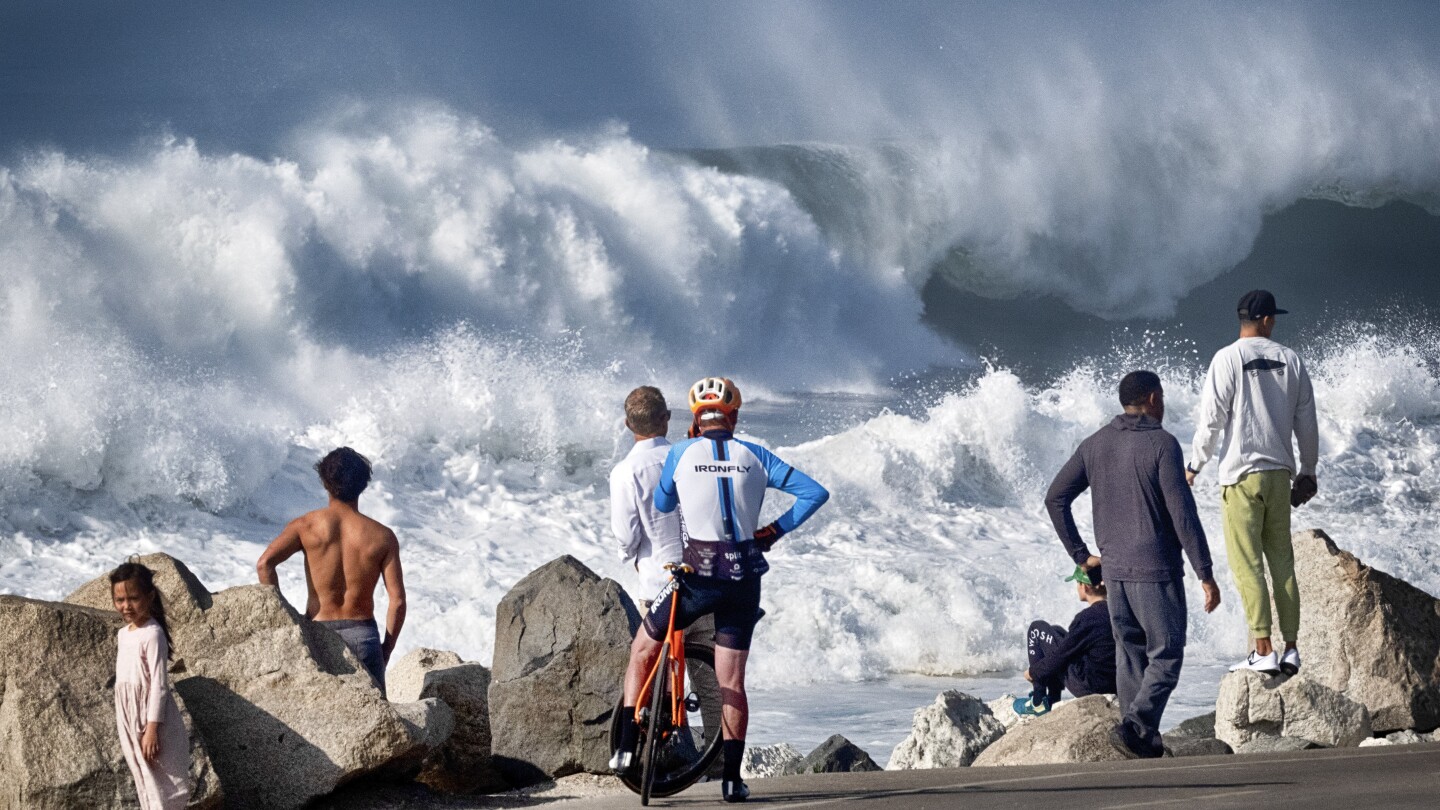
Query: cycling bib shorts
[735, 604]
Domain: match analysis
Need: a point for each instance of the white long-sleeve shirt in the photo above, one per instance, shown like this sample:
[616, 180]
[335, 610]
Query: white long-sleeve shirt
[1257, 393]
[648, 537]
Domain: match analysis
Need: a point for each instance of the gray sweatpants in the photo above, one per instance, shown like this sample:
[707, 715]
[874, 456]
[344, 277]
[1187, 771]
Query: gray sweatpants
[1148, 619]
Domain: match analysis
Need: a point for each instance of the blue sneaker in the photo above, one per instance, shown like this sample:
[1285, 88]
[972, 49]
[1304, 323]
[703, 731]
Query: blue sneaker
[1026, 707]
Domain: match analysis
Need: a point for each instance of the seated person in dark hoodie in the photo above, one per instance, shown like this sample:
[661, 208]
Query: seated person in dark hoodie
[1081, 659]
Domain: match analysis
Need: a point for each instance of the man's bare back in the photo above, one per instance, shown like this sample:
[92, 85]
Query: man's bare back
[346, 555]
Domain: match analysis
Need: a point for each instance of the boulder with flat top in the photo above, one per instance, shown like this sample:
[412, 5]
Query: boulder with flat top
[282, 705]
[58, 744]
[1077, 731]
[1368, 635]
[462, 764]
[948, 733]
[562, 642]
[1252, 706]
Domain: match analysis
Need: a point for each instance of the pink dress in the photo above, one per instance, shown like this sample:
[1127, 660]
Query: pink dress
[142, 695]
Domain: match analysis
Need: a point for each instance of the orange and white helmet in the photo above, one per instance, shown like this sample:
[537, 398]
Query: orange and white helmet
[714, 393]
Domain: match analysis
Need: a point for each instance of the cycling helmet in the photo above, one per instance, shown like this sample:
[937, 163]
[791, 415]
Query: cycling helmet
[714, 393]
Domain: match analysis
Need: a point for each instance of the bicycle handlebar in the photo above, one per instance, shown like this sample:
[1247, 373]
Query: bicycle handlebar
[679, 567]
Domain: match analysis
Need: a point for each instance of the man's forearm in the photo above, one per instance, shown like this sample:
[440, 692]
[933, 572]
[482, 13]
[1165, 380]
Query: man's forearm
[266, 570]
[1067, 486]
[394, 620]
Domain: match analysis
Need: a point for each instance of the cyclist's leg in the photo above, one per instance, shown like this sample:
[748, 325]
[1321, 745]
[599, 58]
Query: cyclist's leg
[734, 627]
[730, 672]
[643, 652]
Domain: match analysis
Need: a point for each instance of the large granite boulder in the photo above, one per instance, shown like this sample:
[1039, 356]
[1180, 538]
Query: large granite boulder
[1368, 635]
[765, 761]
[462, 764]
[285, 709]
[58, 744]
[1078, 731]
[562, 641]
[1251, 706]
[835, 755]
[948, 733]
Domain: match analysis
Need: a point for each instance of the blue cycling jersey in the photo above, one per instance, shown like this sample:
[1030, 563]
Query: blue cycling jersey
[722, 481]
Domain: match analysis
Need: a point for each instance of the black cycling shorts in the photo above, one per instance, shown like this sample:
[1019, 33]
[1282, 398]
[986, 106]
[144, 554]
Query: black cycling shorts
[735, 603]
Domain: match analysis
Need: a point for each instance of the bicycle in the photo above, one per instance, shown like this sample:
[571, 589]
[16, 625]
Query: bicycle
[679, 730]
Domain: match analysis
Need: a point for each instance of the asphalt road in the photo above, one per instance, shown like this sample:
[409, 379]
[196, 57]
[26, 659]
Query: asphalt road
[1380, 778]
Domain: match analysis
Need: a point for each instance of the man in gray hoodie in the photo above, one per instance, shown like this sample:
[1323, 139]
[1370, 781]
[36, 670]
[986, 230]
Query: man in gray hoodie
[1144, 518]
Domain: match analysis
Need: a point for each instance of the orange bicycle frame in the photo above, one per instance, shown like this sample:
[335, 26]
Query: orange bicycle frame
[672, 664]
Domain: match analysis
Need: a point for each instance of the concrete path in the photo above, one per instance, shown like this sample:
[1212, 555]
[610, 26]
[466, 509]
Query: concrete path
[1378, 778]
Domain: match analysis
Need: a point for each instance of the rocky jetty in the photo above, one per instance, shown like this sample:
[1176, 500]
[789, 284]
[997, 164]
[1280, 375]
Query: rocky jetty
[835, 755]
[562, 642]
[948, 733]
[1195, 738]
[1368, 635]
[462, 764]
[1252, 705]
[283, 708]
[1078, 731]
[58, 745]
[764, 761]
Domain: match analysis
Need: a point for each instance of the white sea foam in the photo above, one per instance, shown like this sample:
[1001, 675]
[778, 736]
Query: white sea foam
[186, 332]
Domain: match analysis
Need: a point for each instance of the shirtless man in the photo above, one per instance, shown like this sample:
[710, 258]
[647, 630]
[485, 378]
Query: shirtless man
[346, 553]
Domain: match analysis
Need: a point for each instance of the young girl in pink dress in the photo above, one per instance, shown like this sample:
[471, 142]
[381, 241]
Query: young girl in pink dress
[152, 733]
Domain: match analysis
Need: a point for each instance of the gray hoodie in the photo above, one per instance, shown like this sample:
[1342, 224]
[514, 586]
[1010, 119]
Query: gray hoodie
[1144, 511]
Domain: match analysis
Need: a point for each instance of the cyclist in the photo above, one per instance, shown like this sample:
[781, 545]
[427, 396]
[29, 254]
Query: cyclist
[719, 483]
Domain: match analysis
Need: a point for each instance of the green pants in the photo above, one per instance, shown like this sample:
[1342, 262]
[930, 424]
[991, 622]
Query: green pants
[1257, 524]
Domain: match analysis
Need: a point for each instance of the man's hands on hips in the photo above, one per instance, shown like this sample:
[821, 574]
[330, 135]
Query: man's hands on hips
[1212, 595]
[766, 536]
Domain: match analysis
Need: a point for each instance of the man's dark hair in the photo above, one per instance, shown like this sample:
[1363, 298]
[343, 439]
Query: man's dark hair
[344, 472]
[1137, 387]
[646, 411]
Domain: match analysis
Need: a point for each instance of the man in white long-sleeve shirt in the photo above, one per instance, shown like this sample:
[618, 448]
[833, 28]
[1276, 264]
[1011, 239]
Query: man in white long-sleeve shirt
[648, 537]
[1257, 393]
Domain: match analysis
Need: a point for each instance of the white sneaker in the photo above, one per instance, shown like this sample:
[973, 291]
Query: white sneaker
[1265, 664]
[1290, 662]
[621, 761]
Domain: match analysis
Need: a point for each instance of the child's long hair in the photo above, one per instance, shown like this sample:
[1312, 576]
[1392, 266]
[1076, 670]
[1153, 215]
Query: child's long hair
[132, 571]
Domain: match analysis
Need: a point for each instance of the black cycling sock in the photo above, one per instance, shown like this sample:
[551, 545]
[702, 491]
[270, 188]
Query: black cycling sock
[734, 755]
[629, 729]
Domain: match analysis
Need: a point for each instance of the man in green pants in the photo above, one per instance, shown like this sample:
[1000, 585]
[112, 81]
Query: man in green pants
[1257, 393]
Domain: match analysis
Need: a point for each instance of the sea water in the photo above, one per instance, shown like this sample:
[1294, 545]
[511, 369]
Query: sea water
[186, 333]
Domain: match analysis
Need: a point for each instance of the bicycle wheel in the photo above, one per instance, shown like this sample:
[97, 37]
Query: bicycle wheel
[681, 761]
[658, 724]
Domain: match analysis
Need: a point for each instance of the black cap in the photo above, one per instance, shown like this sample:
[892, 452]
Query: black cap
[1257, 304]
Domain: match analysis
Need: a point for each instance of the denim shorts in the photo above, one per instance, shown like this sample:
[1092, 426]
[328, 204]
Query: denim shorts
[363, 639]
